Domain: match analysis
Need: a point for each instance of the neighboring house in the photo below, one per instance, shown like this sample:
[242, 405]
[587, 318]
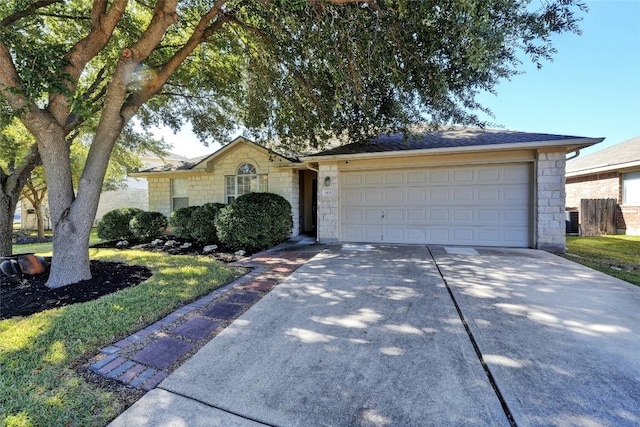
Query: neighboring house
[453, 187]
[611, 173]
[133, 194]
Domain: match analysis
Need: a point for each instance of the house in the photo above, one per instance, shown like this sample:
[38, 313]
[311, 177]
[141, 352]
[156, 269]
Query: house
[133, 193]
[610, 173]
[452, 187]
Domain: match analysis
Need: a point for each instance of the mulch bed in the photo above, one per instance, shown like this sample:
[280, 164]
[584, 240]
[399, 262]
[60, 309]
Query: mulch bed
[26, 295]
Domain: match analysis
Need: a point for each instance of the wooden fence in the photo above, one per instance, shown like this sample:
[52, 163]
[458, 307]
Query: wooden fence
[598, 216]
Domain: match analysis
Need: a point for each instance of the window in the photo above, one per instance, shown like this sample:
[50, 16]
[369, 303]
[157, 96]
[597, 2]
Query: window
[631, 188]
[179, 193]
[246, 180]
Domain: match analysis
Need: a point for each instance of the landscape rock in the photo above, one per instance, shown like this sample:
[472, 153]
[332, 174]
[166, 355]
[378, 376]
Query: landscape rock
[209, 248]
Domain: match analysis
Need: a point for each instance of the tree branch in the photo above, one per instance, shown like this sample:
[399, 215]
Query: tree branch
[30, 10]
[103, 23]
[200, 33]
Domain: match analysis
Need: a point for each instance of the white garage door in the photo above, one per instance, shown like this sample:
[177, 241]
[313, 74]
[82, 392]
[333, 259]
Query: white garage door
[474, 205]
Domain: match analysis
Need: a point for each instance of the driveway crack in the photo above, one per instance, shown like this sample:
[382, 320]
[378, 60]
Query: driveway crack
[485, 367]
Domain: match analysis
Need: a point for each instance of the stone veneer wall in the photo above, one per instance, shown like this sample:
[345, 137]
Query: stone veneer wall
[550, 208]
[205, 187]
[328, 198]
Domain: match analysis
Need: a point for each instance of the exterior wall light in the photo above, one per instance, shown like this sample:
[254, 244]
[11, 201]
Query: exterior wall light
[327, 181]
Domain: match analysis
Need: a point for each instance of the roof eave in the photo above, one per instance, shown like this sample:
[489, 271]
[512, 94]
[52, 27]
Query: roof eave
[569, 145]
[606, 168]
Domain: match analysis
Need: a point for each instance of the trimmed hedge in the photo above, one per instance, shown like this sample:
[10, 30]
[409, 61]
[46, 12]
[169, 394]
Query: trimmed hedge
[202, 225]
[180, 221]
[148, 225]
[114, 225]
[254, 222]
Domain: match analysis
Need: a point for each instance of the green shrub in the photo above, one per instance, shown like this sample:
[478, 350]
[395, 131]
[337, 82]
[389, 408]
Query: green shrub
[202, 222]
[114, 225]
[179, 220]
[254, 222]
[148, 225]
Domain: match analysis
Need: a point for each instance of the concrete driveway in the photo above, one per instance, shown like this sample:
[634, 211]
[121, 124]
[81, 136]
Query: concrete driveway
[414, 336]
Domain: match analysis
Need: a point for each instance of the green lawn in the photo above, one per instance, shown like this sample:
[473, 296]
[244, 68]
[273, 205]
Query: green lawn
[39, 354]
[46, 248]
[618, 256]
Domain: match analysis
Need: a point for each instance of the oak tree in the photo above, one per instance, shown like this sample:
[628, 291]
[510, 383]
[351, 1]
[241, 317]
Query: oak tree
[298, 71]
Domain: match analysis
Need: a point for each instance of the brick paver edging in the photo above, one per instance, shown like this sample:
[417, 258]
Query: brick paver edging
[163, 345]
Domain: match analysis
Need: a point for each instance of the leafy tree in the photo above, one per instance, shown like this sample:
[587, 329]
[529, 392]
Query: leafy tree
[15, 141]
[299, 70]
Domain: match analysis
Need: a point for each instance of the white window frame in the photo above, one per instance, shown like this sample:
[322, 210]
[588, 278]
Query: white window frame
[631, 188]
[246, 180]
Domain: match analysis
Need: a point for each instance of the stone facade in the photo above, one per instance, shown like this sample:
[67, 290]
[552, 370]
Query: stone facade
[328, 203]
[550, 221]
[207, 179]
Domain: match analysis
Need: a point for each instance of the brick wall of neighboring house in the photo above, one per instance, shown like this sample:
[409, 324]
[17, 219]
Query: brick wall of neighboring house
[629, 220]
[597, 186]
[604, 186]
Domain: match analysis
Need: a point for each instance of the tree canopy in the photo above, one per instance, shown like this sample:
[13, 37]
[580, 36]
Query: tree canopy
[301, 71]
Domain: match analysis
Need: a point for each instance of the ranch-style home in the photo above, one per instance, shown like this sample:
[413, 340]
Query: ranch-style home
[453, 187]
[610, 173]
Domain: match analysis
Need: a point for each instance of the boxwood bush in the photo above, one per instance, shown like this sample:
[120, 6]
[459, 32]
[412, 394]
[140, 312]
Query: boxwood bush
[180, 221]
[114, 225]
[201, 223]
[254, 222]
[148, 225]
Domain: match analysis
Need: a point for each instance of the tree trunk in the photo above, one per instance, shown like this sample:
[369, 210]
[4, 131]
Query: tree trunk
[40, 221]
[70, 261]
[7, 209]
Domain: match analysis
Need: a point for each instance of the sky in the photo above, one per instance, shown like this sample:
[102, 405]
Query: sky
[591, 88]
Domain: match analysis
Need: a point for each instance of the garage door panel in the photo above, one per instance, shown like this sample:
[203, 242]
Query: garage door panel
[416, 196]
[438, 215]
[392, 197]
[395, 215]
[463, 176]
[439, 195]
[463, 195]
[471, 205]
[418, 177]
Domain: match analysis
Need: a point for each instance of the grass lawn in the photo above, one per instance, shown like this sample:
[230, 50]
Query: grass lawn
[47, 248]
[39, 384]
[617, 256]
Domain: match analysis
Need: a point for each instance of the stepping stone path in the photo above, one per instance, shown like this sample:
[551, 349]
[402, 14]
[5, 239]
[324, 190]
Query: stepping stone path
[147, 357]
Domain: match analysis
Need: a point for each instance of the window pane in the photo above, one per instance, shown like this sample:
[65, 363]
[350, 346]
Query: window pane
[180, 187]
[180, 202]
[631, 188]
[243, 185]
[246, 169]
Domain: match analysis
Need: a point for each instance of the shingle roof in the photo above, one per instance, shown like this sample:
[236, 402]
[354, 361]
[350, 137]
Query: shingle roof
[184, 165]
[450, 138]
[610, 158]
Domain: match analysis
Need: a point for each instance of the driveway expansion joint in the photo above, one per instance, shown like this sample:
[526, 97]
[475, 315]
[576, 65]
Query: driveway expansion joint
[145, 358]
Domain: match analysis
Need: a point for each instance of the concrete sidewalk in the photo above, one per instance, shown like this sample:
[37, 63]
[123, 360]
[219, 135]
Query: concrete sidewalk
[371, 336]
